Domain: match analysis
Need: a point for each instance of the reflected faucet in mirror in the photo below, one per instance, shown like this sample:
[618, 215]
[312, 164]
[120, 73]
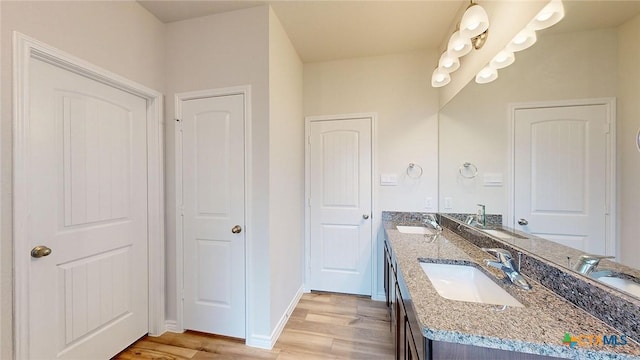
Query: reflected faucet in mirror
[587, 263]
[478, 220]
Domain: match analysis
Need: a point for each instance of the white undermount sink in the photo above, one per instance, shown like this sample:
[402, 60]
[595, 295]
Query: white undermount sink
[466, 283]
[629, 286]
[414, 230]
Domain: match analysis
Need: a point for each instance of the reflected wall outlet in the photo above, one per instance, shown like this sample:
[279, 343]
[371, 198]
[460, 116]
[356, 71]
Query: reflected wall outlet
[448, 203]
[428, 203]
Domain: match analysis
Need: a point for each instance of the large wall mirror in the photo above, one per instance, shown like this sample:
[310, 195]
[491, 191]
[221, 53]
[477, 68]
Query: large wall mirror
[551, 145]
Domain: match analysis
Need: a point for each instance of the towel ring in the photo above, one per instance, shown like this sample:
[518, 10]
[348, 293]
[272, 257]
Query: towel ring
[468, 167]
[410, 169]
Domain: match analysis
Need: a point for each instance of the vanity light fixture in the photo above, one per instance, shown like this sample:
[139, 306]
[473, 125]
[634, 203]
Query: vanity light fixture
[550, 15]
[440, 78]
[471, 33]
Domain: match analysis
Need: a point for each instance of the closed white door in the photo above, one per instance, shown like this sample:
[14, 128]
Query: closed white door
[340, 206]
[87, 202]
[561, 174]
[213, 217]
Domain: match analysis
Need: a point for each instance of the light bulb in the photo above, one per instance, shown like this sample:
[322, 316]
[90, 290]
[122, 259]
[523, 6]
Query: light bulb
[486, 75]
[440, 78]
[448, 63]
[550, 15]
[458, 45]
[502, 60]
[523, 40]
[474, 21]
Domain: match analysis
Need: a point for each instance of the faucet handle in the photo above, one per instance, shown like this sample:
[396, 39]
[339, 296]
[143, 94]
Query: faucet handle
[591, 259]
[497, 251]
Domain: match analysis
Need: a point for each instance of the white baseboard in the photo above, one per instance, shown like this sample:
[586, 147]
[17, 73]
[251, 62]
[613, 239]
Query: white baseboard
[267, 342]
[172, 326]
[379, 297]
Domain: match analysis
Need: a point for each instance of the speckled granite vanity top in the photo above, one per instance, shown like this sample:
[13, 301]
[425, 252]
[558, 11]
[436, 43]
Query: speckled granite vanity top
[538, 328]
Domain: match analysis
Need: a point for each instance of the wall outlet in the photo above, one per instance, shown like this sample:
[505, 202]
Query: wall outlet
[428, 203]
[448, 203]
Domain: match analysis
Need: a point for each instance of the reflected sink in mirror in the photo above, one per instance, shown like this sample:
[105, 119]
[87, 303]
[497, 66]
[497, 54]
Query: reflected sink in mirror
[466, 283]
[502, 233]
[626, 285]
[414, 230]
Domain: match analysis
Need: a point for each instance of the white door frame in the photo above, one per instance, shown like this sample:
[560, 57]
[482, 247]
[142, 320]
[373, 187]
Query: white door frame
[611, 222]
[244, 90]
[374, 198]
[25, 49]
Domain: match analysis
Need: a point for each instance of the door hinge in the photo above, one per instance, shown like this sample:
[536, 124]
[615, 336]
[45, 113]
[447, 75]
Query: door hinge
[607, 128]
[179, 122]
[181, 209]
[309, 139]
[309, 202]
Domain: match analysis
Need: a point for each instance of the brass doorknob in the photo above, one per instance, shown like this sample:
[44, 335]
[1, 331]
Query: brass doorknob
[236, 229]
[40, 251]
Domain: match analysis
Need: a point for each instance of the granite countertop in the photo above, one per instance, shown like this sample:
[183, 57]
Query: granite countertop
[538, 328]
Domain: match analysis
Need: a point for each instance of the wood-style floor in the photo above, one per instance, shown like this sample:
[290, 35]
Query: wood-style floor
[323, 326]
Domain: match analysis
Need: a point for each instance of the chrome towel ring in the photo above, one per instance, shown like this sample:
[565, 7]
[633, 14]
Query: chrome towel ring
[414, 171]
[468, 170]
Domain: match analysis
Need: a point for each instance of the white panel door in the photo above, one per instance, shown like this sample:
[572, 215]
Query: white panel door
[340, 206]
[560, 174]
[213, 196]
[87, 202]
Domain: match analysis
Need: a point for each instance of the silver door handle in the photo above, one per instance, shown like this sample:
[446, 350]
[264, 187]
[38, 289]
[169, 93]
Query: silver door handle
[523, 222]
[365, 216]
[236, 229]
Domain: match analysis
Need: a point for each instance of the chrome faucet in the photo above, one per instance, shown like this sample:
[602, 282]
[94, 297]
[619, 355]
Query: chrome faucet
[482, 215]
[430, 219]
[506, 264]
[587, 263]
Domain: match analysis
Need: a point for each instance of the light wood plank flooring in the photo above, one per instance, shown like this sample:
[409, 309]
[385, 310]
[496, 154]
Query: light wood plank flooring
[323, 326]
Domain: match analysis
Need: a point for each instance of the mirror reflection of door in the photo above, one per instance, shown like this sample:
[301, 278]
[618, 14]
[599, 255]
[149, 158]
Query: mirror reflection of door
[560, 175]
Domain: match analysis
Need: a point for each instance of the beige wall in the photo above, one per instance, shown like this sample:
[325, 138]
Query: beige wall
[286, 170]
[218, 51]
[398, 88]
[628, 155]
[121, 37]
[474, 125]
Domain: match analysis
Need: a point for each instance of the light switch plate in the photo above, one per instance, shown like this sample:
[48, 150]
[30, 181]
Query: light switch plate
[389, 179]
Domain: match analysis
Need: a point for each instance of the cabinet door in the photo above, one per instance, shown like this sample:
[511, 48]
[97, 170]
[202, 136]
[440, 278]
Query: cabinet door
[410, 347]
[401, 320]
[387, 264]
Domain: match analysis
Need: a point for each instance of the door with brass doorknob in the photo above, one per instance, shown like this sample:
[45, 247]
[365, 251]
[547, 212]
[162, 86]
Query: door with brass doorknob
[212, 176]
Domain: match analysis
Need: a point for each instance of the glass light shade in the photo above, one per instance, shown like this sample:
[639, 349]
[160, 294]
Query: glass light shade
[548, 16]
[487, 75]
[502, 60]
[525, 39]
[474, 22]
[458, 45]
[440, 78]
[448, 63]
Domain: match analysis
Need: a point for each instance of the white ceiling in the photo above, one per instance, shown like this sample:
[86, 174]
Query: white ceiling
[329, 30]
[323, 30]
